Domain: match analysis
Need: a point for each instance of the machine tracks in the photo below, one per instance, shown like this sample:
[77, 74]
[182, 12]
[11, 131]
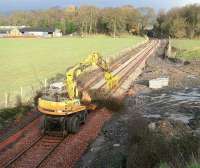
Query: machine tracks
[36, 153]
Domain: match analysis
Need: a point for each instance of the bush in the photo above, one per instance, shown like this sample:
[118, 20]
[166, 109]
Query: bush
[149, 149]
[10, 114]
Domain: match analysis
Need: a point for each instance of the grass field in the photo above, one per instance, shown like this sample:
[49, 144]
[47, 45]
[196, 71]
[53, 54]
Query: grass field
[188, 49]
[25, 62]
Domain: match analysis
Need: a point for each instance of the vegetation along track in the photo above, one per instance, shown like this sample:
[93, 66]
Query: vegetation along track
[36, 153]
[39, 150]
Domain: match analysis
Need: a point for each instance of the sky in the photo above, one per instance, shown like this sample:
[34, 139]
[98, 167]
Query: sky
[11, 5]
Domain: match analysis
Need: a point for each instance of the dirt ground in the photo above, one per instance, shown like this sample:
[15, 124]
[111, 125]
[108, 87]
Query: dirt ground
[178, 102]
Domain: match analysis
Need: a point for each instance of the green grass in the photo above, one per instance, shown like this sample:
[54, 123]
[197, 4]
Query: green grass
[187, 49]
[26, 62]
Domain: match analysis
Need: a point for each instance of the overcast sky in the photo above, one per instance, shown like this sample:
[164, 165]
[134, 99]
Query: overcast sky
[10, 5]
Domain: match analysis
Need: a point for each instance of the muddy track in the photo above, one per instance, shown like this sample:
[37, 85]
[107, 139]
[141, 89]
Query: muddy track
[36, 153]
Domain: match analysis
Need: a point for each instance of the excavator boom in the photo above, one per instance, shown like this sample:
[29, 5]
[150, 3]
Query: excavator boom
[93, 59]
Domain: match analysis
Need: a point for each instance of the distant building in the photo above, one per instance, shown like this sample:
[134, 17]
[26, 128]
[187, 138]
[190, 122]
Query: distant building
[7, 31]
[41, 32]
[12, 27]
[37, 32]
[3, 33]
[15, 33]
[24, 31]
[57, 33]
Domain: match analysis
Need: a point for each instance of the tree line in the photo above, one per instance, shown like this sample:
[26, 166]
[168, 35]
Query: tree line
[85, 19]
[177, 23]
[181, 22]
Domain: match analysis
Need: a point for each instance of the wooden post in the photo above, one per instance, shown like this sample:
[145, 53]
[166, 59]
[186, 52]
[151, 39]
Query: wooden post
[6, 100]
[45, 85]
[21, 94]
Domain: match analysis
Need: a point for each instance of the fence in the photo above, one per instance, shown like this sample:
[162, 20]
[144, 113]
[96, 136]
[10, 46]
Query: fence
[22, 95]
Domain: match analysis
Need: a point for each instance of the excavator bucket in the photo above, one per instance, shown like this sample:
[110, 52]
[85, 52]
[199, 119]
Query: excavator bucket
[112, 81]
[86, 97]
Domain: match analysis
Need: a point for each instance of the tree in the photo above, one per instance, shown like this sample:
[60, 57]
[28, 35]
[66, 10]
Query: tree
[131, 17]
[84, 19]
[180, 22]
[148, 17]
[113, 20]
[87, 19]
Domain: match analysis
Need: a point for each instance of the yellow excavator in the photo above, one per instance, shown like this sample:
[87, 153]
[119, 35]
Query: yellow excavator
[63, 107]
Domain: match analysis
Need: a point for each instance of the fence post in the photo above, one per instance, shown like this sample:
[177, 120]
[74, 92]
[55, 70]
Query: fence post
[6, 100]
[45, 85]
[21, 94]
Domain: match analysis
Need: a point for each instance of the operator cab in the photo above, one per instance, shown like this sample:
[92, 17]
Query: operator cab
[55, 92]
[58, 87]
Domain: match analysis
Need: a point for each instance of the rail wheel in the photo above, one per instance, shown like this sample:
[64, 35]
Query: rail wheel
[43, 125]
[65, 133]
[64, 127]
[84, 116]
[73, 124]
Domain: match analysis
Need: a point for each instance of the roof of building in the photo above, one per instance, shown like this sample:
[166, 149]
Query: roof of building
[12, 27]
[50, 30]
[3, 31]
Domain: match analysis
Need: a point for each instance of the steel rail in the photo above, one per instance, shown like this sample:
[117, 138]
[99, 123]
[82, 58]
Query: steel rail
[55, 145]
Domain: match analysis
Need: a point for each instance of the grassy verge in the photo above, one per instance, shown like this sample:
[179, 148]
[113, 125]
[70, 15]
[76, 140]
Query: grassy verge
[187, 49]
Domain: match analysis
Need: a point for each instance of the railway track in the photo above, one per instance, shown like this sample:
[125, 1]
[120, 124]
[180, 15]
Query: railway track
[134, 65]
[40, 149]
[44, 146]
[126, 68]
[115, 64]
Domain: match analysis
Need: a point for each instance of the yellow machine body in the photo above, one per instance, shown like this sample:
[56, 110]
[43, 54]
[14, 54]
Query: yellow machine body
[60, 108]
[65, 111]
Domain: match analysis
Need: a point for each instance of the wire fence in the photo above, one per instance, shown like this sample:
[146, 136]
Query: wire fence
[22, 95]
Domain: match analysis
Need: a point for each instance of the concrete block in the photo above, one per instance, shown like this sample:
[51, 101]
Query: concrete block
[158, 83]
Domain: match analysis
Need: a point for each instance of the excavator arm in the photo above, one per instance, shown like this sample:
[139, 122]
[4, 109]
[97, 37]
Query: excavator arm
[93, 59]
